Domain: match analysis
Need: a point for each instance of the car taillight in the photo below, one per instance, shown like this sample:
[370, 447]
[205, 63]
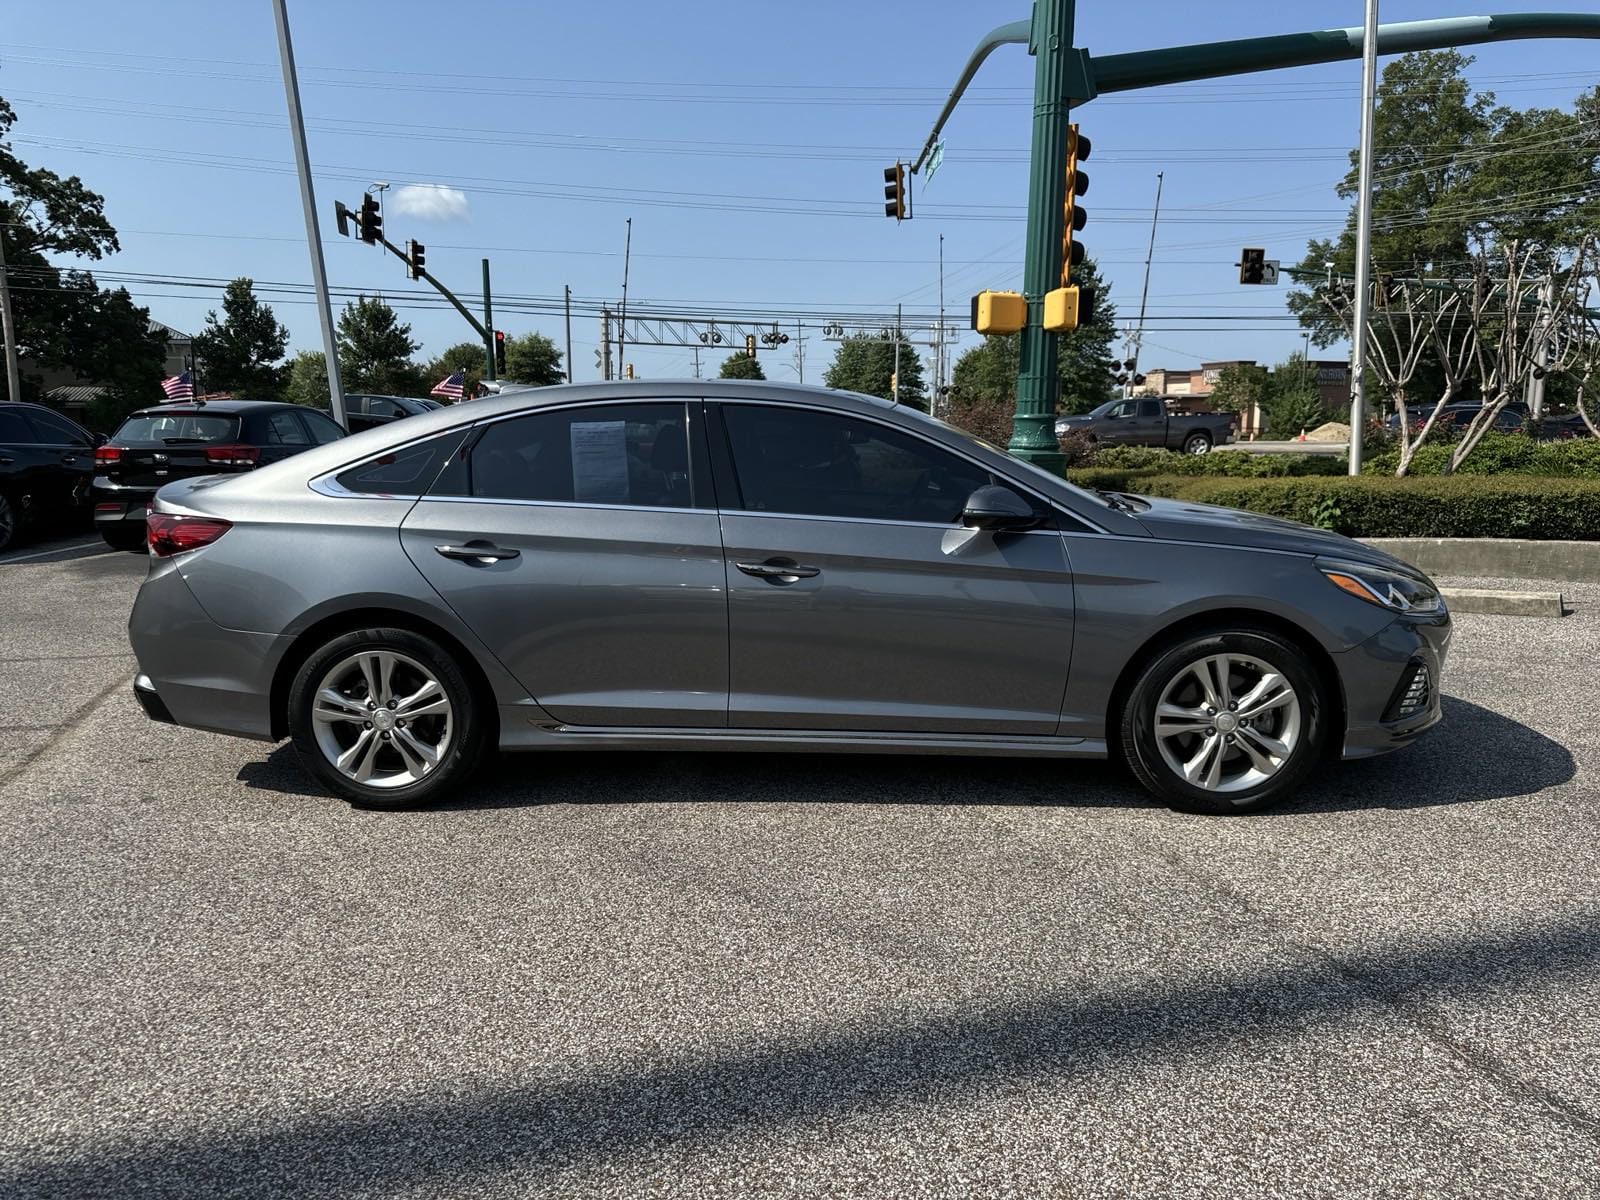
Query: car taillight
[172, 534]
[107, 454]
[233, 456]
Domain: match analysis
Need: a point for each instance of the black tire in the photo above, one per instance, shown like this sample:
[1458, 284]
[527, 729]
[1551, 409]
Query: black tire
[9, 521]
[469, 721]
[1197, 443]
[1142, 749]
[122, 539]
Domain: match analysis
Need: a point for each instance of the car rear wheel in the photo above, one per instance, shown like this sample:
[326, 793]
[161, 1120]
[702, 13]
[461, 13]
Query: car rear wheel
[1197, 443]
[123, 539]
[8, 522]
[387, 719]
[1225, 722]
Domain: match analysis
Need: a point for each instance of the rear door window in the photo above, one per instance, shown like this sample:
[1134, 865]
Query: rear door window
[172, 429]
[57, 431]
[14, 431]
[1150, 408]
[284, 429]
[323, 429]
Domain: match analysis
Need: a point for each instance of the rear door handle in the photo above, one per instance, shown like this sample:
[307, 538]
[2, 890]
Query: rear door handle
[478, 553]
[779, 570]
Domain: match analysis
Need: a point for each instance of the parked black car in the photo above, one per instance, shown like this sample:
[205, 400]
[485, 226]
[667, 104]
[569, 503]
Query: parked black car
[367, 411]
[156, 445]
[1510, 419]
[46, 462]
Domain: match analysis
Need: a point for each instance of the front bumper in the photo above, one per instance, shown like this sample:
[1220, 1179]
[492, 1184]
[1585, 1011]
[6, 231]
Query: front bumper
[194, 672]
[1376, 675]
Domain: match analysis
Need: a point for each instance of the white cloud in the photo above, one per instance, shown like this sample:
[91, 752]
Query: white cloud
[430, 201]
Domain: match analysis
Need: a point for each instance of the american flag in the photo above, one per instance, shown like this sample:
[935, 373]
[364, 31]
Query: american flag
[451, 387]
[178, 387]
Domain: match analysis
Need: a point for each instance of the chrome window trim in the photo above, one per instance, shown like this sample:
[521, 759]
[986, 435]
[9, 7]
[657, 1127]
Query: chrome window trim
[633, 508]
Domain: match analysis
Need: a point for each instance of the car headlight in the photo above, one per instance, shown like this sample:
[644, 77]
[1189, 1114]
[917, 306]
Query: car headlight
[1395, 590]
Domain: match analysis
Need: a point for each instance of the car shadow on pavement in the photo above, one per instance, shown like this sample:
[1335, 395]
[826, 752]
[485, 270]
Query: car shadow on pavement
[1474, 754]
[530, 1126]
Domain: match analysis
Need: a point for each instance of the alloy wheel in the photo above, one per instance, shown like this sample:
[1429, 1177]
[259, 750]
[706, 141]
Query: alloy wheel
[382, 719]
[1228, 722]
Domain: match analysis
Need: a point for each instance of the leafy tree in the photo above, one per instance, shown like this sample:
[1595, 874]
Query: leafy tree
[64, 320]
[866, 364]
[1240, 387]
[1084, 363]
[375, 349]
[533, 359]
[741, 366]
[240, 352]
[1291, 402]
[306, 380]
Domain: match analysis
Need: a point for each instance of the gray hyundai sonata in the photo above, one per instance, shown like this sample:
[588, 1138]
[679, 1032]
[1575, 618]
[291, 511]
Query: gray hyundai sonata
[749, 566]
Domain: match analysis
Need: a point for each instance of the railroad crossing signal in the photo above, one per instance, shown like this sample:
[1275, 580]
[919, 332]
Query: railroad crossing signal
[416, 259]
[369, 222]
[894, 192]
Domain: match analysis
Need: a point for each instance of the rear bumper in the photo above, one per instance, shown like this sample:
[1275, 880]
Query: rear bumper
[192, 671]
[118, 506]
[1375, 675]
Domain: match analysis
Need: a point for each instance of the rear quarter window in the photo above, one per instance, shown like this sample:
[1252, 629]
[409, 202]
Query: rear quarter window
[166, 429]
[404, 472]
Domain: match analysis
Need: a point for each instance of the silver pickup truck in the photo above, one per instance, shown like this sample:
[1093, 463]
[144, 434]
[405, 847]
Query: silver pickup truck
[1144, 421]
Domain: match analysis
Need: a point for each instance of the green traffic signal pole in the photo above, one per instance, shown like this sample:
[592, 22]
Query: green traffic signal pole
[1065, 74]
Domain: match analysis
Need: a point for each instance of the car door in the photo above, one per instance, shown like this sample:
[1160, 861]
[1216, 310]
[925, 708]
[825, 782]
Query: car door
[856, 599]
[1150, 425]
[67, 461]
[582, 546]
[24, 466]
[1119, 424]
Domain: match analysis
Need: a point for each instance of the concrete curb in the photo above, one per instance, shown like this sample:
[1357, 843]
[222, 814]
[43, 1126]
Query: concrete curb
[1497, 558]
[1505, 604]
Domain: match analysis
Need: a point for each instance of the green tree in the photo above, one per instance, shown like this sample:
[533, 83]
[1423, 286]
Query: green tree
[533, 359]
[306, 380]
[741, 366]
[866, 364]
[375, 349]
[64, 319]
[1240, 387]
[240, 353]
[987, 373]
[1291, 402]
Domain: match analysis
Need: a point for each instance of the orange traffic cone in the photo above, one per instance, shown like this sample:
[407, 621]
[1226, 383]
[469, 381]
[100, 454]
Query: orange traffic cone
[1302, 436]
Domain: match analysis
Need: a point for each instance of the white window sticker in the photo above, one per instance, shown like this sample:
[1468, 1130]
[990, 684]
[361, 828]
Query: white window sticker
[600, 462]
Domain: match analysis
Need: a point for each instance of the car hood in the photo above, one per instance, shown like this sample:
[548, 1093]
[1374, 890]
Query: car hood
[1183, 521]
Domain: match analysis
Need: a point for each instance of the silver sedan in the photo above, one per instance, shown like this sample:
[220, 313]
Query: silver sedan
[749, 566]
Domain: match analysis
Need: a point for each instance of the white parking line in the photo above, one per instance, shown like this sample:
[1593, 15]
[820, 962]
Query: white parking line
[48, 553]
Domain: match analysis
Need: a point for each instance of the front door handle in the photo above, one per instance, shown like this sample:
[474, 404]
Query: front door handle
[779, 570]
[479, 553]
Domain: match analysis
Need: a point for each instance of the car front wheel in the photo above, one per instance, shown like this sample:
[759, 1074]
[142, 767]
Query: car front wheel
[8, 521]
[387, 719]
[1225, 722]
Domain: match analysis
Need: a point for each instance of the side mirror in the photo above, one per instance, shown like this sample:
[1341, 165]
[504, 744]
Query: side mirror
[101, 439]
[997, 509]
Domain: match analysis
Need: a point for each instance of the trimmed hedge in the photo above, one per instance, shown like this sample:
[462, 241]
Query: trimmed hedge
[1235, 464]
[1375, 506]
[1499, 453]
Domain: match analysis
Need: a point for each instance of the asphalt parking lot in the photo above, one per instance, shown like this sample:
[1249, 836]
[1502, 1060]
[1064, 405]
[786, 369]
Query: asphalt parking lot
[730, 975]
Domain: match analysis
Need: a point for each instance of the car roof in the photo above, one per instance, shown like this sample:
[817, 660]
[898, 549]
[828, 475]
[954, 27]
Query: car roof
[191, 408]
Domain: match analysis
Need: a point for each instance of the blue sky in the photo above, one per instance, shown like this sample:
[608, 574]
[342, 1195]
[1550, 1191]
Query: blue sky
[746, 141]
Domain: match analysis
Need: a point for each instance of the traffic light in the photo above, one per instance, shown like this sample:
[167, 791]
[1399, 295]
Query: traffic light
[369, 223]
[749, 345]
[1075, 216]
[1130, 364]
[416, 258]
[1068, 308]
[999, 312]
[1252, 265]
[894, 192]
[499, 350]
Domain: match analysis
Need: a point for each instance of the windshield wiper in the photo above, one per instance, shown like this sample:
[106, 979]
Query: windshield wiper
[1116, 500]
[182, 441]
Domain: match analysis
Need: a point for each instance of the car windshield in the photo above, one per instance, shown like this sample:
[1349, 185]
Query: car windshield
[165, 429]
[1103, 409]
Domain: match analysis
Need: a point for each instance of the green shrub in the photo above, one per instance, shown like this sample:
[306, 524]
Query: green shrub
[1458, 506]
[1499, 454]
[1113, 479]
[1236, 464]
[1133, 457]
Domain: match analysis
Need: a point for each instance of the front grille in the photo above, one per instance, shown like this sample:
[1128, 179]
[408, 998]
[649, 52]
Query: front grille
[1413, 695]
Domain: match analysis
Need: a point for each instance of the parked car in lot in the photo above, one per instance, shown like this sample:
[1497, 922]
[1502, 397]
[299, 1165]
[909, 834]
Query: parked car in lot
[1510, 419]
[364, 411]
[748, 566]
[156, 445]
[1145, 421]
[46, 462]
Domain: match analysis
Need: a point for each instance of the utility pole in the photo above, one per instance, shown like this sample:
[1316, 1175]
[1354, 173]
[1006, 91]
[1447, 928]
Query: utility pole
[302, 162]
[488, 326]
[605, 342]
[894, 383]
[622, 323]
[939, 358]
[695, 350]
[800, 351]
[1144, 292]
[568, 289]
[1358, 352]
[9, 330]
